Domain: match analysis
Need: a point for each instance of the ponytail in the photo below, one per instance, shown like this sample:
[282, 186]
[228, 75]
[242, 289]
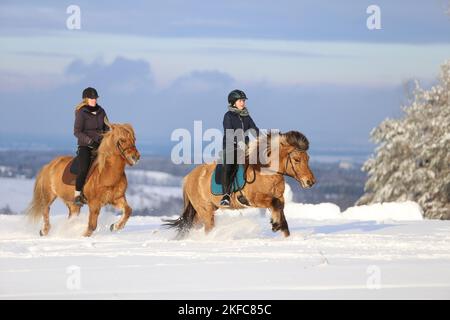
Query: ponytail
[81, 104]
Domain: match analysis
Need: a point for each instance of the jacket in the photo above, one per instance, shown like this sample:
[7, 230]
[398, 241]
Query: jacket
[89, 126]
[233, 120]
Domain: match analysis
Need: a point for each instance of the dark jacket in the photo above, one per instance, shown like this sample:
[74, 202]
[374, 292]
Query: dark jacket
[233, 120]
[89, 126]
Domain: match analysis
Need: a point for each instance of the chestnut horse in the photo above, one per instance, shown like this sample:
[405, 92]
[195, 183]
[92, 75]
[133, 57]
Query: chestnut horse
[106, 184]
[262, 190]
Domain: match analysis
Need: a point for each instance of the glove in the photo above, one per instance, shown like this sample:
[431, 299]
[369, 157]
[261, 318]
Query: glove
[93, 144]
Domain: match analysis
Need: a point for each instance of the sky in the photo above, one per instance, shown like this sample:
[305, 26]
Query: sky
[311, 66]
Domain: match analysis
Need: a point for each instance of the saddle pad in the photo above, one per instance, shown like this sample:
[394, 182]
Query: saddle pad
[71, 171]
[238, 181]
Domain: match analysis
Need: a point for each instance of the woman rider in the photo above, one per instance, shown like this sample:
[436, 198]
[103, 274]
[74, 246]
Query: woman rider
[89, 127]
[237, 117]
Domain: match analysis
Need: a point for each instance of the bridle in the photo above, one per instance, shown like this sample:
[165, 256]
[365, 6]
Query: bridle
[122, 150]
[292, 165]
[288, 160]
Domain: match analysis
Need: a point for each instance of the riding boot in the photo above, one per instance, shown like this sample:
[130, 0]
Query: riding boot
[226, 185]
[225, 201]
[80, 199]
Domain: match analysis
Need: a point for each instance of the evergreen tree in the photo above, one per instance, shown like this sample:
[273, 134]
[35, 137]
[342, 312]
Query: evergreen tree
[412, 160]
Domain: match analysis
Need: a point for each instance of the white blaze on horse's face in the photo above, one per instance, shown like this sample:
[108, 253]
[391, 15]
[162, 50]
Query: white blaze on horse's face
[299, 169]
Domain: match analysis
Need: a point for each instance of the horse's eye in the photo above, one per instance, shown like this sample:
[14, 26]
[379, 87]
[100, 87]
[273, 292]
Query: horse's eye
[297, 160]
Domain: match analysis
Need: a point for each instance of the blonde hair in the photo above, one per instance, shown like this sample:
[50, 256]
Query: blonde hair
[81, 104]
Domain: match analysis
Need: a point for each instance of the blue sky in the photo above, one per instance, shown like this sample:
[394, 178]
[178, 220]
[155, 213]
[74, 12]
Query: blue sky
[311, 66]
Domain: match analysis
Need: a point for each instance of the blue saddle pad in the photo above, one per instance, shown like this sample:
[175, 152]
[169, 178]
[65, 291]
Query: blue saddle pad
[238, 182]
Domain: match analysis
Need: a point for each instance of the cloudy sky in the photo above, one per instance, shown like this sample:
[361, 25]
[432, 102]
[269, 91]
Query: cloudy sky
[311, 66]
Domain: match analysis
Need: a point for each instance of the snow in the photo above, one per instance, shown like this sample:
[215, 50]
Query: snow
[240, 259]
[153, 178]
[381, 251]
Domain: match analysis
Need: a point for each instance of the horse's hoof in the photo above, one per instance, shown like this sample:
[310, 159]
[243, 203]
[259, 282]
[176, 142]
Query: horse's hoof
[286, 233]
[40, 233]
[87, 233]
[112, 228]
[275, 227]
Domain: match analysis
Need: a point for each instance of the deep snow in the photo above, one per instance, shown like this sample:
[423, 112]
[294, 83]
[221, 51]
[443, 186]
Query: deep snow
[382, 251]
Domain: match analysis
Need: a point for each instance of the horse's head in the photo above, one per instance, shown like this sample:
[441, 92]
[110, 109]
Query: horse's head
[120, 139]
[294, 159]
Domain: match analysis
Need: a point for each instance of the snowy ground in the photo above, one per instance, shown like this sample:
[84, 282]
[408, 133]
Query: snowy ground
[377, 252]
[240, 259]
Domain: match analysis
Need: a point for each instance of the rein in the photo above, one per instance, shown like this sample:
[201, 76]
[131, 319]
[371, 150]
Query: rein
[282, 173]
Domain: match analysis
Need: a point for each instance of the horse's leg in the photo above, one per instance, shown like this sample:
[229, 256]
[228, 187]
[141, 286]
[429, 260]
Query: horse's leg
[121, 204]
[276, 207]
[209, 221]
[46, 215]
[74, 210]
[278, 219]
[94, 210]
[206, 216]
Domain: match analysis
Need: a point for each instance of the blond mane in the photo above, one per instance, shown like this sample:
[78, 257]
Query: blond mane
[108, 147]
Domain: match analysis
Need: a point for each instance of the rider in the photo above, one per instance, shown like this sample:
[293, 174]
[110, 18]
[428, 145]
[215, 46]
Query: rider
[237, 117]
[89, 127]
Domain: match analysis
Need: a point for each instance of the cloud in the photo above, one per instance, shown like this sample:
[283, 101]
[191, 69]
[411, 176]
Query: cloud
[330, 115]
[122, 76]
[403, 21]
[202, 81]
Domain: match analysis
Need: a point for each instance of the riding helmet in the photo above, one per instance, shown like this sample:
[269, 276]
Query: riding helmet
[90, 93]
[235, 95]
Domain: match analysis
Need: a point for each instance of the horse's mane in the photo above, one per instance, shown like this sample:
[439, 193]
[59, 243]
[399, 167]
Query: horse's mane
[108, 146]
[291, 138]
[295, 139]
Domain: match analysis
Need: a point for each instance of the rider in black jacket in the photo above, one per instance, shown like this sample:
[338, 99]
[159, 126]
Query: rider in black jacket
[88, 128]
[236, 118]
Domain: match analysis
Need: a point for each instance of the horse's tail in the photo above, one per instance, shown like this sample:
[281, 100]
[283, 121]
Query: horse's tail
[37, 206]
[185, 222]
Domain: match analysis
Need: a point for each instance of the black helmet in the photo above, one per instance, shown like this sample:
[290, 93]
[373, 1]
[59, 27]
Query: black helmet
[235, 95]
[90, 93]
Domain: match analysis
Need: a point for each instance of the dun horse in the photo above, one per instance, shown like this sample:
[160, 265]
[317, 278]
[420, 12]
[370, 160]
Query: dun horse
[262, 190]
[106, 184]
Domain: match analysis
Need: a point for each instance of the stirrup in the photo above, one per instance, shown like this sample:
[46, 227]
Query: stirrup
[243, 200]
[225, 200]
[80, 200]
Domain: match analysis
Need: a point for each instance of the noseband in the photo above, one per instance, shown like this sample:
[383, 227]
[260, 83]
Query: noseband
[122, 150]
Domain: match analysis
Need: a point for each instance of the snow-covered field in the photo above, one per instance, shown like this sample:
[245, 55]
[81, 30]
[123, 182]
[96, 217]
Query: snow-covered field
[375, 252]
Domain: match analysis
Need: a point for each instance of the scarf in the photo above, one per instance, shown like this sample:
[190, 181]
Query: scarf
[242, 113]
[92, 110]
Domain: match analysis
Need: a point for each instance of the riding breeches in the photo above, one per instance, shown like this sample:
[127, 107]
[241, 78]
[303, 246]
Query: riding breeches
[84, 158]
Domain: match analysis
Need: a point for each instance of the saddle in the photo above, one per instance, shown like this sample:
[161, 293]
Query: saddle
[72, 169]
[237, 184]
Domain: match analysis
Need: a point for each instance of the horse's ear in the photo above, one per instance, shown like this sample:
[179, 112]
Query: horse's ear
[283, 141]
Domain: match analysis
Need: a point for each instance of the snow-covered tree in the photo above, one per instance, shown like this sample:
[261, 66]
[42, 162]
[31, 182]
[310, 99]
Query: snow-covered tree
[412, 160]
